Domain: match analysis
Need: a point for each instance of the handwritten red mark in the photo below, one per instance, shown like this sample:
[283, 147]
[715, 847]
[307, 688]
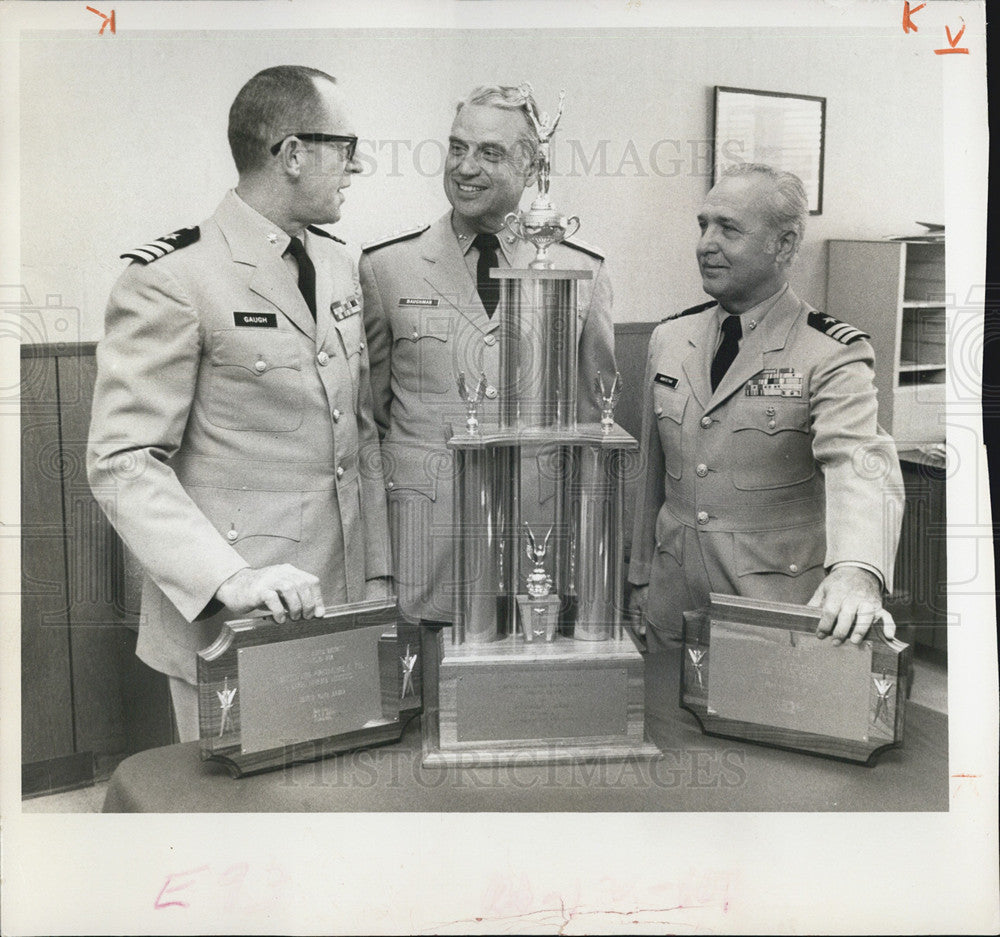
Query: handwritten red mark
[169, 886]
[908, 23]
[952, 42]
[109, 20]
[965, 780]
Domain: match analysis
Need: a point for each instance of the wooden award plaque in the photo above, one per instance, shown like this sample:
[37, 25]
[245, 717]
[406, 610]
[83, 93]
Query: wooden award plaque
[271, 695]
[755, 670]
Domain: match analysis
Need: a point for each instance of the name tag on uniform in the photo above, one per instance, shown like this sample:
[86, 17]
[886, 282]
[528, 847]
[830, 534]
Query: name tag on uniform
[345, 308]
[418, 302]
[775, 382]
[666, 380]
[255, 320]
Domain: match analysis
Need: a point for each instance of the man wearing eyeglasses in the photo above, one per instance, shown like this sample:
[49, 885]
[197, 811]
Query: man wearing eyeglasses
[232, 442]
[431, 312]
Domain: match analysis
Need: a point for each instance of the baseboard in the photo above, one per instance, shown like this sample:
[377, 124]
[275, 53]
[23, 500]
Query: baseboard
[64, 773]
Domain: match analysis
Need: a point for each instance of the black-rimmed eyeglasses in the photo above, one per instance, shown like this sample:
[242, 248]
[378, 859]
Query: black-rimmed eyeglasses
[350, 143]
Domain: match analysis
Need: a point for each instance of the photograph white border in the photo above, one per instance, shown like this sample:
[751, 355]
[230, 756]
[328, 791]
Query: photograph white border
[565, 873]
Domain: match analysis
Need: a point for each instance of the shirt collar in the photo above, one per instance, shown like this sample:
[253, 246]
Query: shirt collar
[267, 229]
[508, 242]
[754, 316]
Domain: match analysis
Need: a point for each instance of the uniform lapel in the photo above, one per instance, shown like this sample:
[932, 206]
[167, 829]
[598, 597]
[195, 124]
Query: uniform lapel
[449, 277]
[269, 277]
[770, 335]
[698, 361]
[324, 289]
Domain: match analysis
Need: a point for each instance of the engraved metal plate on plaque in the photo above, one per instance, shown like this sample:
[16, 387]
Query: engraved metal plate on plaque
[789, 680]
[309, 689]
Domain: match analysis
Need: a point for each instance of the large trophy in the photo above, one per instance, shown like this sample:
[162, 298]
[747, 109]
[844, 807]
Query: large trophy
[537, 666]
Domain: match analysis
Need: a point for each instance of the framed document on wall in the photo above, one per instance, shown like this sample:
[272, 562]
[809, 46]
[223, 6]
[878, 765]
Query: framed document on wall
[786, 131]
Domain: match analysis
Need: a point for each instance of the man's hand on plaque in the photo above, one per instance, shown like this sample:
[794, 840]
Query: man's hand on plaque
[851, 600]
[285, 591]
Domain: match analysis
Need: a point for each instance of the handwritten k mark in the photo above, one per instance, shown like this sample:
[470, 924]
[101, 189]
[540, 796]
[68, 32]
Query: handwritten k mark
[908, 23]
[109, 20]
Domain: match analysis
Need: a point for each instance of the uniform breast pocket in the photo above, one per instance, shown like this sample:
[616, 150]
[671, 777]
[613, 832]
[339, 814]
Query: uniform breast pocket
[421, 352]
[772, 444]
[668, 408]
[254, 381]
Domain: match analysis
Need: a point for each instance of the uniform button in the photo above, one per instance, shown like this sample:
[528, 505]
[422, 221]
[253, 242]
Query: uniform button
[706, 421]
[361, 347]
[390, 485]
[490, 339]
[769, 411]
[701, 471]
[771, 424]
[232, 535]
[340, 471]
[323, 358]
[793, 567]
[491, 392]
[336, 415]
[260, 365]
[416, 334]
[659, 411]
[703, 517]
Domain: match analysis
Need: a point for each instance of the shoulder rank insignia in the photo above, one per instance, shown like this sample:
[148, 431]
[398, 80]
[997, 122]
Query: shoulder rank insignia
[333, 237]
[584, 248]
[393, 238]
[841, 331]
[167, 244]
[690, 312]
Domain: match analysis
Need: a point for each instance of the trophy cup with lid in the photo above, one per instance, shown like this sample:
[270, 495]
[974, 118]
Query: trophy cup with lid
[537, 668]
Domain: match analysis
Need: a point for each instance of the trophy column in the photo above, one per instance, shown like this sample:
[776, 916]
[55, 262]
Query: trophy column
[487, 479]
[599, 588]
[538, 348]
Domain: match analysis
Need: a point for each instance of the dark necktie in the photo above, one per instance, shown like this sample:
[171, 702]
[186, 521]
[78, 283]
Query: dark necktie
[724, 357]
[486, 286]
[307, 273]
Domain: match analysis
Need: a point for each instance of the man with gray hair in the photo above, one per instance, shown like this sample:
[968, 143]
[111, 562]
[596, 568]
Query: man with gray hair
[766, 474]
[430, 313]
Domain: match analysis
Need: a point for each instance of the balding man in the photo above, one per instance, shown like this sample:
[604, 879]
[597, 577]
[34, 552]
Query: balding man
[232, 442]
[766, 474]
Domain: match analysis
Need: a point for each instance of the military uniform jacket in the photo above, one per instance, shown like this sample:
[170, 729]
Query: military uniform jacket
[230, 429]
[425, 323]
[757, 488]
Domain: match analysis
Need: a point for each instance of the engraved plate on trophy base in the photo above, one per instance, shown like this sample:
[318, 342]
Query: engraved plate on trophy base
[515, 702]
[271, 695]
[755, 670]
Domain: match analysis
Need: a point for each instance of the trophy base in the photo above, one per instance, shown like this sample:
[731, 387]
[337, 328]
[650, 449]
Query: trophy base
[539, 617]
[518, 702]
